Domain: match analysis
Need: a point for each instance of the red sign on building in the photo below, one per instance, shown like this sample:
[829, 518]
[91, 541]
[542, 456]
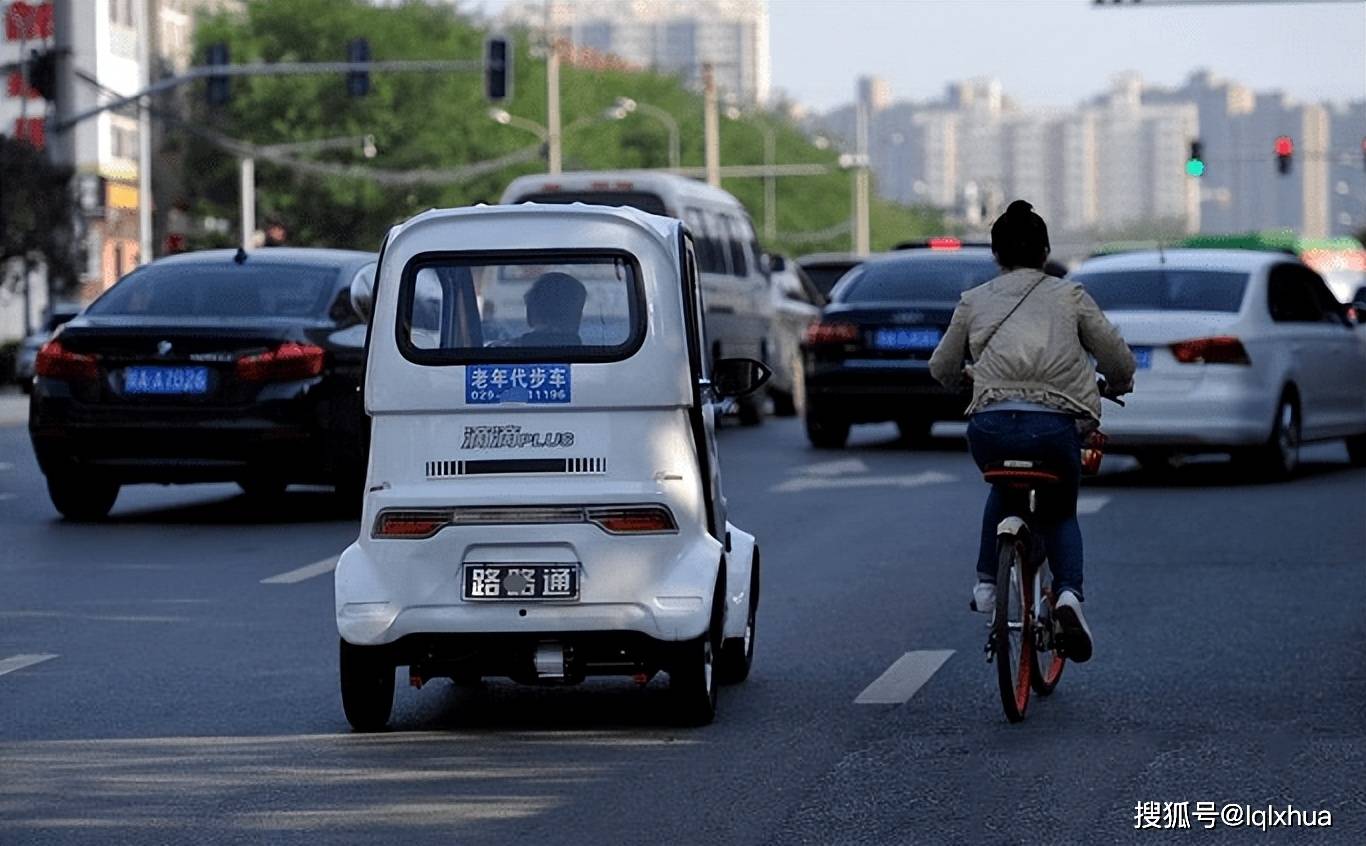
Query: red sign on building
[15, 87]
[33, 130]
[28, 21]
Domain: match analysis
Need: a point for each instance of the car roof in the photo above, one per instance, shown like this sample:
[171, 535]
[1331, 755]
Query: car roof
[1188, 259]
[273, 255]
[647, 180]
[665, 229]
[929, 255]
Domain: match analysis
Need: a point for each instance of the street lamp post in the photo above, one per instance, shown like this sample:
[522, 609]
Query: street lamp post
[626, 105]
[770, 184]
[247, 171]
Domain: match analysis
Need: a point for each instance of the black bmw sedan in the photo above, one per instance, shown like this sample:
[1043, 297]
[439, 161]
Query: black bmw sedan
[207, 367]
[868, 359]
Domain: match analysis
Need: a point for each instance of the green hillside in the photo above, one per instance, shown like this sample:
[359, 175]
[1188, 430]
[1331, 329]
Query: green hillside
[440, 121]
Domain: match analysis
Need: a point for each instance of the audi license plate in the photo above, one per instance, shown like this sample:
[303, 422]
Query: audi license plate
[166, 380]
[906, 339]
[521, 582]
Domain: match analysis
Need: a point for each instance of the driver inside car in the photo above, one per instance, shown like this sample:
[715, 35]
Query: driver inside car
[554, 311]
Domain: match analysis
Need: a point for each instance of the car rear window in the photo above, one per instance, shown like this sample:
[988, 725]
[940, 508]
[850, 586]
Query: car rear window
[201, 290]
[502, 307]
[642, 200]
[824, 276]
[930, 279]
[1166, 289]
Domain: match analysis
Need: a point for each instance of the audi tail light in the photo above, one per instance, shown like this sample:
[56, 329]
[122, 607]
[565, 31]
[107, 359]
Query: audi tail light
[1222, 349]
[285, 362]
[56, 362]
[831, 333]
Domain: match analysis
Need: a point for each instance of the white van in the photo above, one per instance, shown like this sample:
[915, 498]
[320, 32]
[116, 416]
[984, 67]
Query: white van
[543, 499]
[735, 287]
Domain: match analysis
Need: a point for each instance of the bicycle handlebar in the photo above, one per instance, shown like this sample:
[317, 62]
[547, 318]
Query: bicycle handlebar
[1104, 388]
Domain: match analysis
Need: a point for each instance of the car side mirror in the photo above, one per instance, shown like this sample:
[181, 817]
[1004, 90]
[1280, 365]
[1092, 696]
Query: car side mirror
[363, 292]
[735, 377]
[777, 263]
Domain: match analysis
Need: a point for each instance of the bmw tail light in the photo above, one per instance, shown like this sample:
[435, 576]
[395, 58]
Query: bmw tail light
[633, 520]
[831, 333]
[410, 525]
[1223, 349]
[56, 362]
[288, 361]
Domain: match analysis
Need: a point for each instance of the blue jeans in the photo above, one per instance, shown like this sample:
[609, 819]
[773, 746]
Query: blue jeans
[1033, 436]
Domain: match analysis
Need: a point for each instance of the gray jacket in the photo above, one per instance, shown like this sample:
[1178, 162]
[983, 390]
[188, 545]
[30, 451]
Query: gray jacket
[1041, 353]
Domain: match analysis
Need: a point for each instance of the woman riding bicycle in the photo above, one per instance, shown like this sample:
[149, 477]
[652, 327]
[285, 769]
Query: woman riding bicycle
[1030, 339]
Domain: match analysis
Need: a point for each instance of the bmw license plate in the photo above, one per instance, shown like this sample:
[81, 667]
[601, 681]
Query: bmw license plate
[521, 581]
[1143, 356]
[906, 339]
[166, 380]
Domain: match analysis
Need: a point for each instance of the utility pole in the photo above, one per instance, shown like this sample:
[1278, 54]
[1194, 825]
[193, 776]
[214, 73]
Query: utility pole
[861, 239]
[711, 130]
[770, 186]
[554, 155]
[145, 247]
[248, 167]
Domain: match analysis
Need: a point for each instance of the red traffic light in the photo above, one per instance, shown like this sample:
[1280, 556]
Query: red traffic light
[1285, 146]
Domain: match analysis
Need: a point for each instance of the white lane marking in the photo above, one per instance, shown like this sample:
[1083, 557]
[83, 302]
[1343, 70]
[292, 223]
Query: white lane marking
[1091, 503]
[317, 568]
[901, 680]
[6, 497]
[19, 662]
[838, 467]
[5, 465]
[910, 480]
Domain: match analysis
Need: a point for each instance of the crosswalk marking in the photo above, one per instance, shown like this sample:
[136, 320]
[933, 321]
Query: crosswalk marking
[19, 662]
[1091, 503]
[901, 680]
[317, 568]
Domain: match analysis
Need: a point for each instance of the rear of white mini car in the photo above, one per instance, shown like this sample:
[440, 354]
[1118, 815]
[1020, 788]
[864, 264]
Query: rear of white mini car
[546, 542]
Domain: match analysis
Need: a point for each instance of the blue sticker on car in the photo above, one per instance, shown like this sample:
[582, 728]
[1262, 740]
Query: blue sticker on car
[491, 384]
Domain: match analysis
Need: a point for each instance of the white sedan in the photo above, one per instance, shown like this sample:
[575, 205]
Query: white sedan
[1238, 351]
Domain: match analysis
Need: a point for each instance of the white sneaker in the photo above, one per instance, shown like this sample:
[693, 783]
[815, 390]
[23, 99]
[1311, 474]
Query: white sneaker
[1076, 635]
[983, 598]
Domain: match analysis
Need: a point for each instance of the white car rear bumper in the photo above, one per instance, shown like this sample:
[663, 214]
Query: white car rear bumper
[1218, 410]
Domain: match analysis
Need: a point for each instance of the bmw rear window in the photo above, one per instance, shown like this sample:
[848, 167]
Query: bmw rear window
[930, 279]
[204, 290]
[1166, 289]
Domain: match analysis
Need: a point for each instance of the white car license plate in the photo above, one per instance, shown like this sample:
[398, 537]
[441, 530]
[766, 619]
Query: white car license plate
[520, 582]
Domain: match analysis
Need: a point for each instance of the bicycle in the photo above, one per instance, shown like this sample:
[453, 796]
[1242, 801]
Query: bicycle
[1024, 640]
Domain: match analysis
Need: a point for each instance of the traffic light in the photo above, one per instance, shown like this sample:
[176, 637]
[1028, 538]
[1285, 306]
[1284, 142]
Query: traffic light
[219, 89]
[1285, 153]
[1195, 165]
[42, 73]
[358, 81]
[497, 69]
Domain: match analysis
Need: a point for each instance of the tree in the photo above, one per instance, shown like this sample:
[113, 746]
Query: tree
[37, 214]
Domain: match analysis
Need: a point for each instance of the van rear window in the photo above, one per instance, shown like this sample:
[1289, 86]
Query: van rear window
[545, 306]
[642, 200]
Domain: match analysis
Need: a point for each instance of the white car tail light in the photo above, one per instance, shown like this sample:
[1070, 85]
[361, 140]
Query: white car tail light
[1223, 349]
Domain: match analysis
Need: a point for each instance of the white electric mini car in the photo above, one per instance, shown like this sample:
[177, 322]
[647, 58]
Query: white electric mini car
[543, 500]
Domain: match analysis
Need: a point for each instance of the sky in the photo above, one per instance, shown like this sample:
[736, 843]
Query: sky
[1058, 52]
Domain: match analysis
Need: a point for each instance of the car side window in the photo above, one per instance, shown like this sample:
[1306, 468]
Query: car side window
[738, 240]
[706, 232]
[1289, 299]
[1331, 311]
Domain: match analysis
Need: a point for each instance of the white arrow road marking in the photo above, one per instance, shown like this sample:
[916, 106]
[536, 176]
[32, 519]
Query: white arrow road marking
[910, 480]
[317, 568]
[19, 662]
[901, 680]
[1090, 504]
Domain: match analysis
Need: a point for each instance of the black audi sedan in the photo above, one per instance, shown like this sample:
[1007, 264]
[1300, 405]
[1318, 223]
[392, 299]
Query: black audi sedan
[868, 359]
[207, 367]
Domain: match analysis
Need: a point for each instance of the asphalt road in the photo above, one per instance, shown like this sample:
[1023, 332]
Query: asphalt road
[186, 701]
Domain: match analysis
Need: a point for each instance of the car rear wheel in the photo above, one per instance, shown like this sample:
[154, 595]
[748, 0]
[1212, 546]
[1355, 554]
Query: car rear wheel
[1356, 450]
[262, 487]
[750, 409]
[914, 430]
[737, 653]
[367, 686]
[692, 681]
[826, 432]
[1279, 458]
[82, 499]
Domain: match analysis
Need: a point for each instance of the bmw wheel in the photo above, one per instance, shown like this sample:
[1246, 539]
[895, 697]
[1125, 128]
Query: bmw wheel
[82, 499]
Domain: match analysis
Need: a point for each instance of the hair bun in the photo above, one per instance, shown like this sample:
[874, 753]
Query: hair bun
[1019, 207]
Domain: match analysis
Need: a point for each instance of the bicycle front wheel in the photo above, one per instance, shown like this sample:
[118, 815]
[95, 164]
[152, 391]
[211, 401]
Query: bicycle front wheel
[1012, 628]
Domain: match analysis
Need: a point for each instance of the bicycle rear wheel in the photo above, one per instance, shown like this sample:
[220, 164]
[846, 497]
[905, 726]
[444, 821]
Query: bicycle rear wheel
[1047, 664]
[1011, 629]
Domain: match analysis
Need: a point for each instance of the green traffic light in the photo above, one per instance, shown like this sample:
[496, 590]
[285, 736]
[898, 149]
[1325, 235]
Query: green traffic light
[1195, 167]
